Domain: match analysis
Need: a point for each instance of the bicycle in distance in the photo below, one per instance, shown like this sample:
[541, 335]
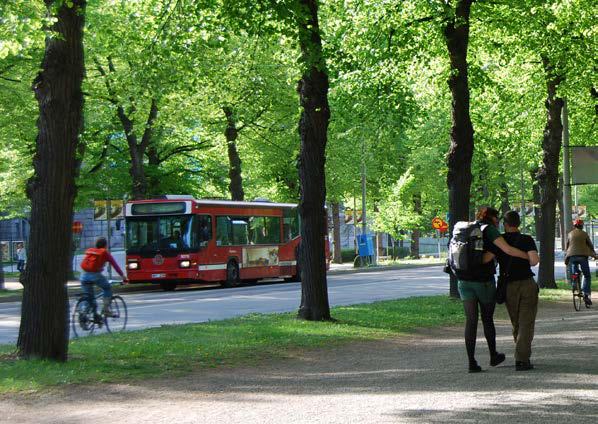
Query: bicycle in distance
[85, 320]
[576, 281]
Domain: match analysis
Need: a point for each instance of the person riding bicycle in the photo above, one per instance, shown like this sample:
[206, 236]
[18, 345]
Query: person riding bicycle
[579, 247]
[92, 266]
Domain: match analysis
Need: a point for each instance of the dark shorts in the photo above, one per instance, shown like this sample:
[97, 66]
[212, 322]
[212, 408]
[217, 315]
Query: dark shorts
[484, 291]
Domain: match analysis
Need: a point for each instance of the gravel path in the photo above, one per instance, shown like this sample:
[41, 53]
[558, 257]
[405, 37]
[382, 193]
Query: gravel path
[411, 379]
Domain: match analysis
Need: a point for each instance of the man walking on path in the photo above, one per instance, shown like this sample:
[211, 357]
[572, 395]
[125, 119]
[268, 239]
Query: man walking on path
[522, 290]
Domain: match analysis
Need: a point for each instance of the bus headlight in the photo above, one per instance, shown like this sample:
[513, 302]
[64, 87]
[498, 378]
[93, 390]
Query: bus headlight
[133, 265]
[185, 264]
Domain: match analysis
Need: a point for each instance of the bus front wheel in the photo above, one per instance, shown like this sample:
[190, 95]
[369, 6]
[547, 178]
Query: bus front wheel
[232, 275]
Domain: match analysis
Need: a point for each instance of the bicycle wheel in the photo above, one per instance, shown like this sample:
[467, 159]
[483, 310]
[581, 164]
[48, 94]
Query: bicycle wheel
[577, 295]
[118, 320]
[82, 318]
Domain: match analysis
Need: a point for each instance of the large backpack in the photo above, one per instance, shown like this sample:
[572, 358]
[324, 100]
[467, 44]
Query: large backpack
[466, 249]
[93, 260]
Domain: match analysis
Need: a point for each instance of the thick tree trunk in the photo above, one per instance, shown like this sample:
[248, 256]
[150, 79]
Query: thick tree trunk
[313, 128]
[231, 133]
[336, 229]
[44, 314]
[456, 33]
[548, 177]
[415, 234]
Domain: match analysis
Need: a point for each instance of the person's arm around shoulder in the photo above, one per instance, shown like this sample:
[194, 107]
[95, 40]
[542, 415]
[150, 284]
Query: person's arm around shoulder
[502, 244]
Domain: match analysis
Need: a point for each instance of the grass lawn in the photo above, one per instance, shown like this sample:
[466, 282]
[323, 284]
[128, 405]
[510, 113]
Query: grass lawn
[180, 349]
[562, 292]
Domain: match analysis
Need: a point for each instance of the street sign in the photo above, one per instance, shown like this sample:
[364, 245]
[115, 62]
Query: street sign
[439, 224]
[77, 227]
[101, 208]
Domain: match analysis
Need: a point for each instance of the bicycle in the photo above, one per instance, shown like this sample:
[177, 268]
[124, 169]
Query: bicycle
[578, 296]
[83, 315]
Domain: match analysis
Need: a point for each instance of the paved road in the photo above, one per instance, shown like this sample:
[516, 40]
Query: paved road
[203, 304]
[207, 303]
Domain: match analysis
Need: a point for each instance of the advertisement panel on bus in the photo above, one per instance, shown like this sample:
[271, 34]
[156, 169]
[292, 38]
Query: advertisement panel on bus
[181, 240]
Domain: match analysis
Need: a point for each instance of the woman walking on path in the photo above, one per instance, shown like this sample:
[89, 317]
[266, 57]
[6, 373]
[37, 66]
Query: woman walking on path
[522, 290]
[479, 291]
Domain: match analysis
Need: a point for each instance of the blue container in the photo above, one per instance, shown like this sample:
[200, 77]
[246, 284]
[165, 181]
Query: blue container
[366, 244]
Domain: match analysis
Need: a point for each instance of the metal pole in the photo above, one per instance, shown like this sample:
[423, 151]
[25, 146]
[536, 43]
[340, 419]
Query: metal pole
[108, 232]
[566, 172]
[363, 191]
[355, 223]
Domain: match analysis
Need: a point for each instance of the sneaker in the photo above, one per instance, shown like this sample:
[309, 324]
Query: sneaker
[97, 319]
[496, 359]
[107, 313]
[523, 366]
[474, 367]
[587, 300]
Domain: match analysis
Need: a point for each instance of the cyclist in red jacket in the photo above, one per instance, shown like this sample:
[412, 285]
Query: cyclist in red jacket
[92, 266]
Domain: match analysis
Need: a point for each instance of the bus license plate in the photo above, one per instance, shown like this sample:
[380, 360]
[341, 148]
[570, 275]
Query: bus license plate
[158, 275]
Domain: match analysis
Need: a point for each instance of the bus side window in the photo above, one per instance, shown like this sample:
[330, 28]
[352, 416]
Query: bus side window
[205, 229]
[223, 231]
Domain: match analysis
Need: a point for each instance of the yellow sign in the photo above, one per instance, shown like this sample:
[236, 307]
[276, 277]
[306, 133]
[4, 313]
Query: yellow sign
[101, 208]
[349, 216]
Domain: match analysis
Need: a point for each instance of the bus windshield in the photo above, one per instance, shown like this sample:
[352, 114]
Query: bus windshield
[178, 233]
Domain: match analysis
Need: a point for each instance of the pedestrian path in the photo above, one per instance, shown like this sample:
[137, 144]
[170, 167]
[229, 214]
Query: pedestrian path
[420, 378]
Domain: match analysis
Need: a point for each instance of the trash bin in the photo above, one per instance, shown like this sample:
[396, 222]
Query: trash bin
[365, 243]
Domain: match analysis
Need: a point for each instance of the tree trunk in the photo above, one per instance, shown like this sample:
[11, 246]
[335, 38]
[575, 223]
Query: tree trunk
[313, 127]
[548, 177]
[44, 331]
[137, 151]
[456, 33]
[234, 161]
[153, 173]
[415, 234]
[336, 229]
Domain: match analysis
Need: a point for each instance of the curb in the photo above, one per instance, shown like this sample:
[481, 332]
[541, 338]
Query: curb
[379, 268]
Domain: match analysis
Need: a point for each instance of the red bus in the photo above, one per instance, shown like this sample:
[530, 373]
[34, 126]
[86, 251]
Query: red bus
[181, 240]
